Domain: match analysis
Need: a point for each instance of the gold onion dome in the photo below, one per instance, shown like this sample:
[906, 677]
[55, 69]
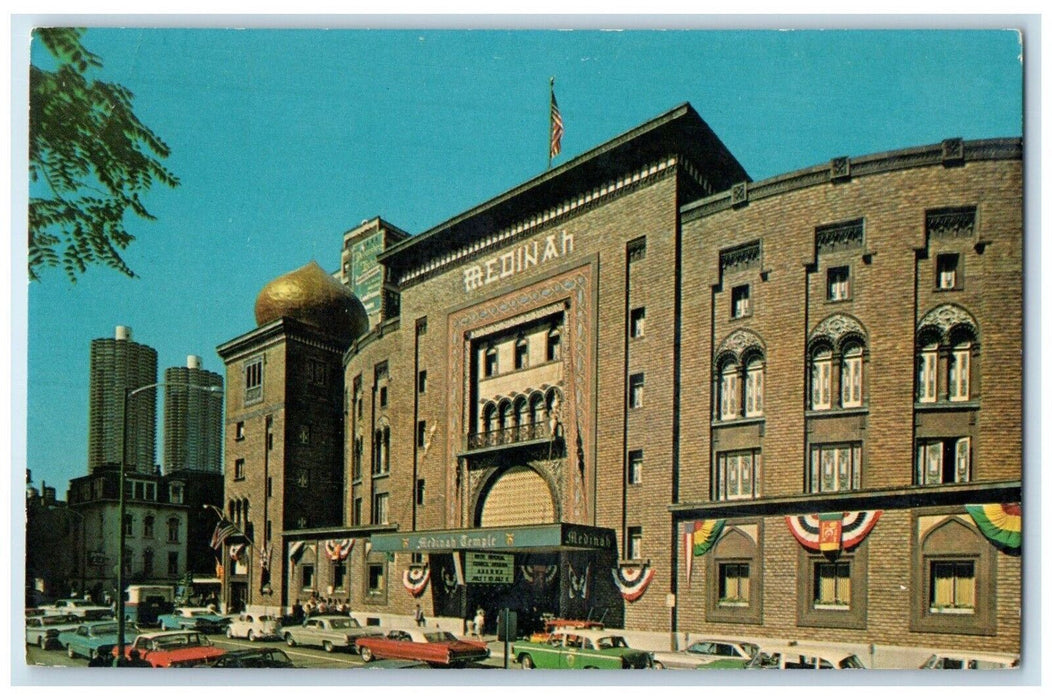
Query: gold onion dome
[312, 296]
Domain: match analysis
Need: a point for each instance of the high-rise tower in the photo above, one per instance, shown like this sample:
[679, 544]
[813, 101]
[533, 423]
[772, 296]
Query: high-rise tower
[193, 419]
[116, 364]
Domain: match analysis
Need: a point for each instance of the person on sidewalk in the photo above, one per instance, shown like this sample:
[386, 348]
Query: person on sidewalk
[480, 622]
[418, 615]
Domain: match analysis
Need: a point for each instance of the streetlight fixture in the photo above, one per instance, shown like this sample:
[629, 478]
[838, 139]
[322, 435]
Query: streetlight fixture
[128, 393]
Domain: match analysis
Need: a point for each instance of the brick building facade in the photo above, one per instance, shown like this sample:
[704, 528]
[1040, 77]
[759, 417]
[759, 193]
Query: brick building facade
[639, 384]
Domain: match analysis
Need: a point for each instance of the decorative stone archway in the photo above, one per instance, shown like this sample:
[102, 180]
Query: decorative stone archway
[517, 496]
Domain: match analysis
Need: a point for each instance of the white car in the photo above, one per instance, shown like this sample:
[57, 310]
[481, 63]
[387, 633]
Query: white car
[43, 630]
[251, 626]
[708, 653]
[802, 657]
[84, 609]
[968, 660]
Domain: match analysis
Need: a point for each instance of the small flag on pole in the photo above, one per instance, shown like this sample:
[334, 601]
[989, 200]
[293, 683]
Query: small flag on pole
[556, 124]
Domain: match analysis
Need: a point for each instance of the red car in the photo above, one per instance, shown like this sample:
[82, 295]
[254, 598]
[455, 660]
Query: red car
[172, 649]
[433, 647]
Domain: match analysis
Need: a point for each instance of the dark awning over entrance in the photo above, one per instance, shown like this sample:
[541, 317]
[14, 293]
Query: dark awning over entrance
[523, 538]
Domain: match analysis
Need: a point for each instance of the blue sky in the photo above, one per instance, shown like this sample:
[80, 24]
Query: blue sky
[284, 139]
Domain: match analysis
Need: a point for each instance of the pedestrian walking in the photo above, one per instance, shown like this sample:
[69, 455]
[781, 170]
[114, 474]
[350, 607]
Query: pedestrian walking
[480, 622]
[418, 615]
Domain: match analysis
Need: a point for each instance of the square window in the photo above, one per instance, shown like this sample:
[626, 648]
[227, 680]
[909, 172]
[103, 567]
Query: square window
[421, 381]
[635, 543]
[421, 433]
[832, 585]
[637, 322]
[239, 431]
[383, 397]
[239, 469]
[307, 576]
[835, 468]
[946, 270]
[951, 588]
[635, 467]
[733, 584]
[738, 475]
[740, 306]
[635, 391]
[838, 283]
[522, 354]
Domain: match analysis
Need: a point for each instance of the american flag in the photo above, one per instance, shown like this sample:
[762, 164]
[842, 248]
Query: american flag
[557, 129]
[223, 530]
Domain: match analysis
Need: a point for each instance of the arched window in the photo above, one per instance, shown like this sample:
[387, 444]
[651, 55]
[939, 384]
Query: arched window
[489, 418]
[537, 408]
[851, 376]
[522, 412]
[553, 352]
[147, 562]
[490, 362]
[928, 370]
[522, 354]
[960, 370]
[730, 391]
[754, 386]
[173, 529]
[506, 415]
[821, 378]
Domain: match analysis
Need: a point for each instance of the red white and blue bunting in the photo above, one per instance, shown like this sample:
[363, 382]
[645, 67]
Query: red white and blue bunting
[579, 582]
[825, 532]
[338, 550]
[237, 551]
[632, 581]
[296, 550]
[415, 580]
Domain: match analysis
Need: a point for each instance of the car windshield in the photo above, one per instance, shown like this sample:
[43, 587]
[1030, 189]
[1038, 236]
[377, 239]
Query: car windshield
[612, 642]
[749, 649]
[439, 637]
[343, 624]
[100, 630]
[61, 619]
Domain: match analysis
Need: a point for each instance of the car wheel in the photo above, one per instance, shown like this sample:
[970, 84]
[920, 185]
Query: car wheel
[367, 654]
[69, 651]
[527, 662]
[229, 633]
[289, 640]
[251, 635]
[327, 646]
[658, 664]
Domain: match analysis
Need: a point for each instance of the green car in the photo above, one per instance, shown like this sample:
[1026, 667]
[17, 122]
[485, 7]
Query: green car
[580, 649]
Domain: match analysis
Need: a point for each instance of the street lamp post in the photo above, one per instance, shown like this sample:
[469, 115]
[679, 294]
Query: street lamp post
[121, 507]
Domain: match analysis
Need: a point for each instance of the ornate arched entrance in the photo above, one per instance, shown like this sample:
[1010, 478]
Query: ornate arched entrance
[518, 496]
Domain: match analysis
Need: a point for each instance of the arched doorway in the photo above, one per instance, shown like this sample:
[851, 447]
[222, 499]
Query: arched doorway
[519, 496]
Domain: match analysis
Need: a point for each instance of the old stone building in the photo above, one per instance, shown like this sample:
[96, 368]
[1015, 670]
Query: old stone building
[643, 387]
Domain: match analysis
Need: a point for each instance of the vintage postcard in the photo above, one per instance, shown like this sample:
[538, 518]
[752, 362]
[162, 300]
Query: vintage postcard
[524, 349]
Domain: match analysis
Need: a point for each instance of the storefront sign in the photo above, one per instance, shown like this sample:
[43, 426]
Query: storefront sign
[553, 536]
[486, 567]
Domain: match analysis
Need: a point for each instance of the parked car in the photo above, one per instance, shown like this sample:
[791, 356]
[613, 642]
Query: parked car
[434, 647]
[84, 609]
[708, 654]
[251, 626]
[200, 619]
[330, 632]
[43, 630]
[92, 639]
[799, 657]
[172, 649]
[252, 658]
[968, 660]
[565, 624]
[581, 648]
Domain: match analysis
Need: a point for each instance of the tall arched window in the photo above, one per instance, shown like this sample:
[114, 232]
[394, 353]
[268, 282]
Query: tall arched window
[506, 415]
[522, 412]
[537, 408]
[851, 375]
[730, 391]
[522, 354]
[947, 343]
[821, 378]
[553, 352]
[754, 386]
[490, 362]
[928, 370]
[489, 418]
[960, 371]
